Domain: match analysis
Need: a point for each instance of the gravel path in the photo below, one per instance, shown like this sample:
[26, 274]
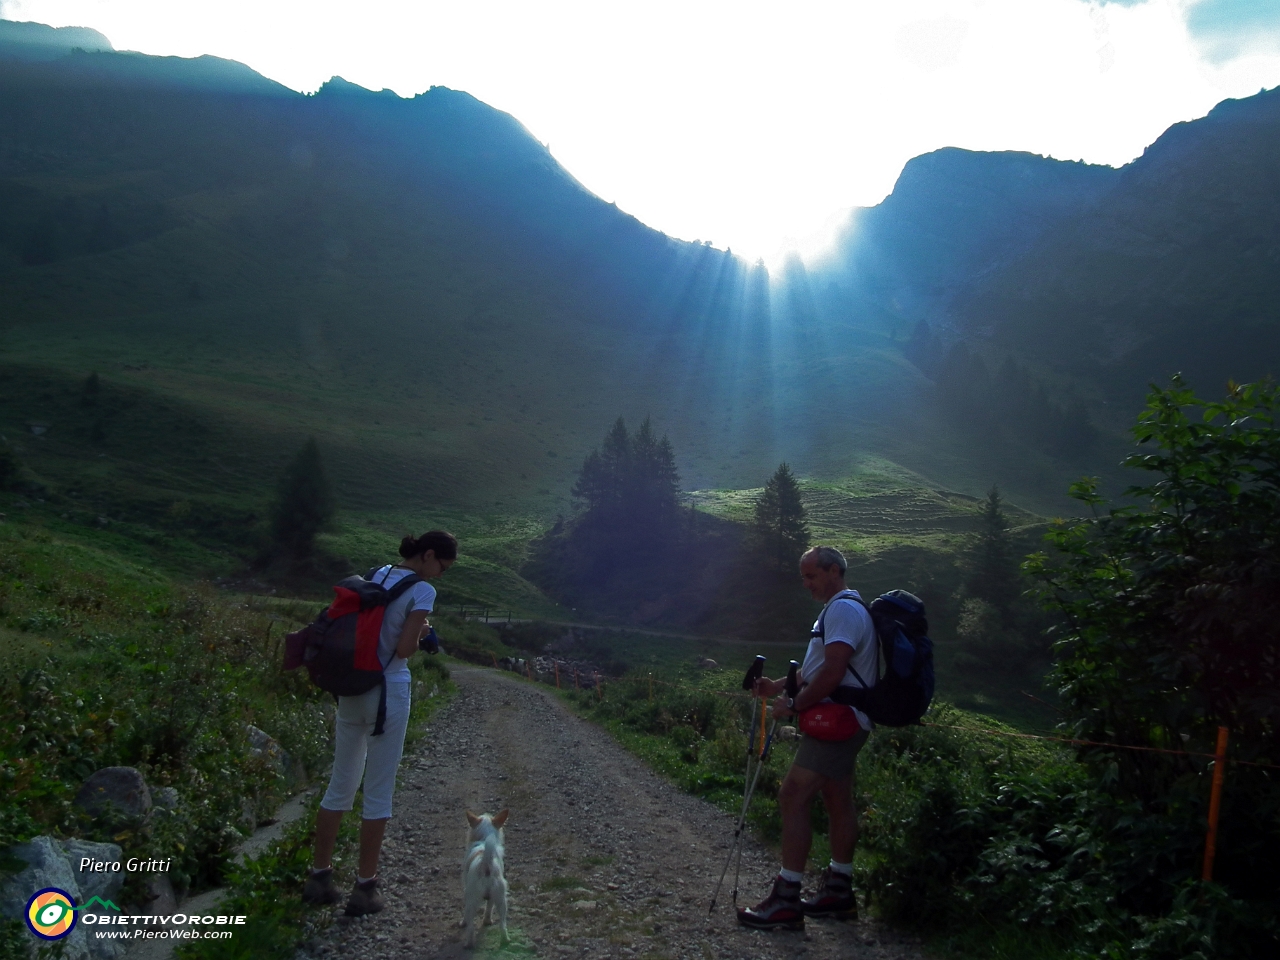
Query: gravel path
[604, 858]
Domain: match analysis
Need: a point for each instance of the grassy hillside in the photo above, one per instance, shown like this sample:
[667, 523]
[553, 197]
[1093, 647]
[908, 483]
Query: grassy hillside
[898, 532]
[416, 282]
[1174, 270]
[953, 216]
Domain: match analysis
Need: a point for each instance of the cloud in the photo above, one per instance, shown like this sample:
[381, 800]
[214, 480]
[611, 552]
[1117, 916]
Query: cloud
[932, 44]
[1226, 29]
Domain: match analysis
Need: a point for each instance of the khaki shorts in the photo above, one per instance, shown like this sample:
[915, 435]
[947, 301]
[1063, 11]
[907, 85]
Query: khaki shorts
[833, 759]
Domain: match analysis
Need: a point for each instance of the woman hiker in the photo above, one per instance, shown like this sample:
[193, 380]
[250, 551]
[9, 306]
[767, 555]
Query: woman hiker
[357, 752]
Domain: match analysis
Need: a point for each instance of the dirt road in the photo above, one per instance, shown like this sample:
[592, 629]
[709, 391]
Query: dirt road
[604, 858]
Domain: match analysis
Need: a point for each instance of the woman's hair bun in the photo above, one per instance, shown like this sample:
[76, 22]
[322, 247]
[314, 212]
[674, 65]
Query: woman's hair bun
[441, 543]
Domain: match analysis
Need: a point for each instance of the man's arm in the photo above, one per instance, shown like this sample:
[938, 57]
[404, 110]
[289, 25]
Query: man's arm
[764, 687]
[835, 662]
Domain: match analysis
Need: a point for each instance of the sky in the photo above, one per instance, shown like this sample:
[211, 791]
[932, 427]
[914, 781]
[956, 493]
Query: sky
[753, 125]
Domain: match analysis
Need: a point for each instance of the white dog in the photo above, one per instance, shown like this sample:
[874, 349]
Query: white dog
[482, 879]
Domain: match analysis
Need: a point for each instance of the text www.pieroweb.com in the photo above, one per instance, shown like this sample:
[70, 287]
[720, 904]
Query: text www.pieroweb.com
[144, 934]
[184, 927]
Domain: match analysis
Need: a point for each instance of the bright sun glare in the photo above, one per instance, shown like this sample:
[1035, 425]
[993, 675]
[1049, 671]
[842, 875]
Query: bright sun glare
[753, 125]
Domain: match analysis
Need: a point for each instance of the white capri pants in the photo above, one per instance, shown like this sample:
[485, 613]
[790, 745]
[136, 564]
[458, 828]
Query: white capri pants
[357, 754]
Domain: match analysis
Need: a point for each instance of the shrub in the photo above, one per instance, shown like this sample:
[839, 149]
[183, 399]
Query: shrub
[1171, 628]
[132, 671]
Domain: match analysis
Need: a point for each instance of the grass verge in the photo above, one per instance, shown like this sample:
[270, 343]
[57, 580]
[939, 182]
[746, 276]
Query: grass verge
[268, 888]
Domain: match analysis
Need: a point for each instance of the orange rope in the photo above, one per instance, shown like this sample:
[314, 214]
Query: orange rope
[1092, 743]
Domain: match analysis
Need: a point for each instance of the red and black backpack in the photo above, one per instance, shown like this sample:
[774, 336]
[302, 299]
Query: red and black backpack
[340, 647]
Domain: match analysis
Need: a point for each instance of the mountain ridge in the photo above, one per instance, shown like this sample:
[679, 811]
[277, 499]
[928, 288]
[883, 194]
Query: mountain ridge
[1177, 270]
[249, 234]
[38, 41]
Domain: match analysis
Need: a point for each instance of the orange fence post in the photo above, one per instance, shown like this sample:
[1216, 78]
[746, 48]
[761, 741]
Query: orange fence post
[1215, 804]
[557, 666]
[495, 660]
[528, 671]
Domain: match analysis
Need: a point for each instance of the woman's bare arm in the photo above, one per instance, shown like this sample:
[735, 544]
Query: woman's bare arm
[414, 625]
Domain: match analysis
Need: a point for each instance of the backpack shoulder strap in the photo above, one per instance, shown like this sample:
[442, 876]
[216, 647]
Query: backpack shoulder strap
[404, 583]
[874, 633]
[820, 630]
[846, 594]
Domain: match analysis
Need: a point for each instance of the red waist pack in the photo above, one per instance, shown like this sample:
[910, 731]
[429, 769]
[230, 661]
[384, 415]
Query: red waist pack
[829, 721]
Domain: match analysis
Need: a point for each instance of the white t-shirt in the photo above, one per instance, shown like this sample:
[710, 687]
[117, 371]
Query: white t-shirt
[846, 621]
[421, 596]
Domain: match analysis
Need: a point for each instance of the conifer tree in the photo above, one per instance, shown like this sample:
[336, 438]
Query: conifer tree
[654, 482]
[781, 521]
[993, 562]
[629, 487]
[10, 467]
[304, 503]
[604, 473]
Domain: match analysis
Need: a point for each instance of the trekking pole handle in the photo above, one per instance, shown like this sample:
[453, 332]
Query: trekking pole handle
[793, 687]
[754, 673]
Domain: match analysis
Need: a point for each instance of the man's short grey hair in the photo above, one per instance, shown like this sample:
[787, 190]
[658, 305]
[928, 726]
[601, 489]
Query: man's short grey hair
[827, 557]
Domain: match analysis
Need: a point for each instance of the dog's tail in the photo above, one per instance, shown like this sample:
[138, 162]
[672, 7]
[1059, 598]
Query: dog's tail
[490, 854]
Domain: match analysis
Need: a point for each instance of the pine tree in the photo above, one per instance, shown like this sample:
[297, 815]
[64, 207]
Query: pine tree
[304, 503]
[10, 467]
[629, 487]
[781, 521]
[90, 390]
[654, 485]
[601, 481]
[993, 563]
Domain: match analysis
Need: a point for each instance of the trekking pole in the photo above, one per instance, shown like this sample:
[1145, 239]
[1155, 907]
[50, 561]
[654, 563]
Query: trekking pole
[792, 688]
[754, 672]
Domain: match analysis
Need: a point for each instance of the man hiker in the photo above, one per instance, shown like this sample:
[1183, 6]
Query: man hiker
[842, 652]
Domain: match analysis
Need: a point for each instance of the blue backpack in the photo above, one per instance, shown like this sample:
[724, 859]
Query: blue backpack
[900, 697]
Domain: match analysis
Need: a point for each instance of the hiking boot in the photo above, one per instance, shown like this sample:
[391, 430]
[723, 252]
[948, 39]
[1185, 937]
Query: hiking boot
[319, 888]
[364, 899]
[833, 899]
[779, 910]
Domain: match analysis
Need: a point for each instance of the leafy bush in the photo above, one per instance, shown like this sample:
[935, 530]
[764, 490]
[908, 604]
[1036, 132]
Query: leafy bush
[1169, 612]
[1171, 628]
[133, 671]
[1171, 605]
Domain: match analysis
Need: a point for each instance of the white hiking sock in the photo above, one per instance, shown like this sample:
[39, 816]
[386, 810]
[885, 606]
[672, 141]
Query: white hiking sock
[791, 876]
[845, 868]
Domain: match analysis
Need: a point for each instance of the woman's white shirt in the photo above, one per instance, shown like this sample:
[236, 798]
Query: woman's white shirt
[421, 596]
